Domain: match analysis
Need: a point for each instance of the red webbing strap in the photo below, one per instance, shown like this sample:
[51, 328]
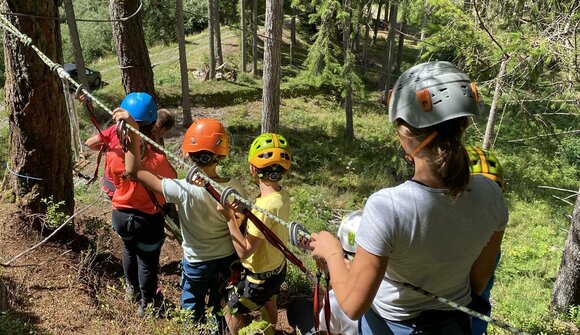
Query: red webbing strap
[268, 234]
[89, 106]
[327, 313]
[316, 304]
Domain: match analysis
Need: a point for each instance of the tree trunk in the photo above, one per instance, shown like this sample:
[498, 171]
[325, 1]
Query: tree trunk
[376, 29]
[292, 35]
[272, 56]
[367, 19]
[76, 43]
[401, 47]
[218, 35]
[134, 62]
[211, 33]
[40, 138]
[255, 38]
[390, 43]
[346, 45]
[492, 110]
[424, 15]
[185, 101]
[243, 24]
[567, 286]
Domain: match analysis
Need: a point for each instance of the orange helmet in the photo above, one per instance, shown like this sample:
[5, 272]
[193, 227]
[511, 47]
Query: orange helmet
[206, 135]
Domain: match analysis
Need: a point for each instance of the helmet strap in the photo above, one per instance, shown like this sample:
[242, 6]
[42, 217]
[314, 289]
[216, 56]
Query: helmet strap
[411, 157]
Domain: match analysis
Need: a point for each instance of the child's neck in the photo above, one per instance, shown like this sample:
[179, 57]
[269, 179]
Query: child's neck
[268, 187]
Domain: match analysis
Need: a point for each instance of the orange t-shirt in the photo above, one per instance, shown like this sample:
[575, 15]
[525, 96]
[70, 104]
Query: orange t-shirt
[131, 194]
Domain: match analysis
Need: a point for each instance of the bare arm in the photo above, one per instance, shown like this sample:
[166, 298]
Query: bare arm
[133, 156]
[356, 288]
[483, 267]
[245, 245]
[94, 142]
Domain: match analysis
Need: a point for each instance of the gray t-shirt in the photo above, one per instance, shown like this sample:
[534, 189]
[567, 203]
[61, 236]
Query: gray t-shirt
[204, 229]
[431, 241]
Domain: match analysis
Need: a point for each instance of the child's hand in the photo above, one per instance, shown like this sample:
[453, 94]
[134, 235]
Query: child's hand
[198, 181]
[120, 114]
[228, 213]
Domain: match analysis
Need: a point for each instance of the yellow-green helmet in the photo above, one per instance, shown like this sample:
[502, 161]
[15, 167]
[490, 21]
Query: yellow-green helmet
[485, 163]
[269, 149]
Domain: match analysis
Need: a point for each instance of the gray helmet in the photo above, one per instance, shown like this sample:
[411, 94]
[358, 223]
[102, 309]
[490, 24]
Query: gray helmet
[430, 93]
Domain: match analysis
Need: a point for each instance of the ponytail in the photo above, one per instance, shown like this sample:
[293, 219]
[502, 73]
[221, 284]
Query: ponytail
[446, 153]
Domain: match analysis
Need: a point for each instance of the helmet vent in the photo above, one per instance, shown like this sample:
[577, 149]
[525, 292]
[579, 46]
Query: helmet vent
[285, 156]
[192, 140]
[464, 90]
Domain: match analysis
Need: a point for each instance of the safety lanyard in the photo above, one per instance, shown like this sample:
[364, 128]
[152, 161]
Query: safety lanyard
[86, 101]
[268, 233]
[326, 306]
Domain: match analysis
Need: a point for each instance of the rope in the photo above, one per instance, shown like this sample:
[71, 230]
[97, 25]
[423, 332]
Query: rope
[76, 20]
[63, 74]
[25, 176]
[195, 172]
[466, 310]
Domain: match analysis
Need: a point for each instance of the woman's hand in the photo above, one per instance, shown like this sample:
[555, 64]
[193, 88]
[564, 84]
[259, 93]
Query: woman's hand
[325, 245]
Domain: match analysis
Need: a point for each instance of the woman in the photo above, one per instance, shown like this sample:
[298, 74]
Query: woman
[440, 231]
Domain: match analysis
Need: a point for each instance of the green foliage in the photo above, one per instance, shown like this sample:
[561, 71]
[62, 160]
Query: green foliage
[96, 37]
[12, 325]
[54, 216]
[255, 328]
[159, 21]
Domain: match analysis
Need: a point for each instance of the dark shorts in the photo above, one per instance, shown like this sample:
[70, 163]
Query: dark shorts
[249, 296]
[146, 230]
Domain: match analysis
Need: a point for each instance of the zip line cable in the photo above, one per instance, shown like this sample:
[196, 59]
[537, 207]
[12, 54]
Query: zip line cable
[227, 191]
[79, 20]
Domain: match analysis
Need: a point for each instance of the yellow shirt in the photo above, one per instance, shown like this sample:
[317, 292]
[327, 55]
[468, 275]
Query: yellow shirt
[267, 257]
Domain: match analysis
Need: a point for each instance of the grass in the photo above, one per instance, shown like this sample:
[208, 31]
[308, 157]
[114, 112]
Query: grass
[332, 175]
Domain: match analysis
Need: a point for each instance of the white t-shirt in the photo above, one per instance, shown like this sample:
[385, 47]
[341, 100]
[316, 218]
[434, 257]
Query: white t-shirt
[339, 322]
[204, 229]
[431, 241]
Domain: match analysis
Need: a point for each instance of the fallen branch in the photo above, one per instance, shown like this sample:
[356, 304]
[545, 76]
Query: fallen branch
[7, 264]
[559, 189]
[42, 263]
[577, 131]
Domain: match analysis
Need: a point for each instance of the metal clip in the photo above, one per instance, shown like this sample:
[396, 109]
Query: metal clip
[299, 236]
[191, 173]
[123, 135]
[226, 193]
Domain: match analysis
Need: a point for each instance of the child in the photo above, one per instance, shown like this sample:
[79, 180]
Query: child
[207, 246]
[165, 121]
[485, 163]
[340, 323]
[265, 266]
[136, 219]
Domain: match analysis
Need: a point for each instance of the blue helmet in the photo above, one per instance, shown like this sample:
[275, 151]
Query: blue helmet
[141, 107]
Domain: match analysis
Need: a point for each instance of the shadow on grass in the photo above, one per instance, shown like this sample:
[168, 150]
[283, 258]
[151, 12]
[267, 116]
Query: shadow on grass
[13, 301]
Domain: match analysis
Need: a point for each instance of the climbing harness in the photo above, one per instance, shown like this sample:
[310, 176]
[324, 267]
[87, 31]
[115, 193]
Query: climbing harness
[270, 236]
[301, 235]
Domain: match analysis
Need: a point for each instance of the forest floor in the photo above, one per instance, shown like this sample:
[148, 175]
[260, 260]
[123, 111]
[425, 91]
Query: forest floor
[81, 291]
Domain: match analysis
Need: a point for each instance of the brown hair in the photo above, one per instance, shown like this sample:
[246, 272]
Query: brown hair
[446, 153]
[164, 119]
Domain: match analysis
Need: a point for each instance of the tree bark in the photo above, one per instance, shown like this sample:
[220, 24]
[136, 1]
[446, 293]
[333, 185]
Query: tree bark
[218, 35]
[185, 100]
[243, 38]
[211, 34]
[76, 43]
[346, 46]
[401, 47]
[255, 38]
[136, 71]
[367, 22]
[272, 58]
[390, 44]
[492, 110]
[567, 286]
[292, 35]
[40, 135]
[376, 28]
